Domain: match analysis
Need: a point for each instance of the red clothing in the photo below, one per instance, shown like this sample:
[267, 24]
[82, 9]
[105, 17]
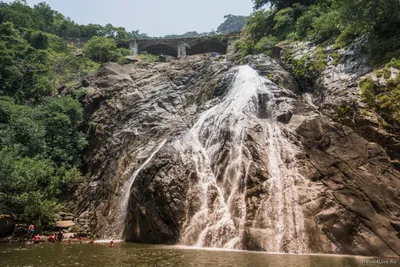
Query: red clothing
[36, 238]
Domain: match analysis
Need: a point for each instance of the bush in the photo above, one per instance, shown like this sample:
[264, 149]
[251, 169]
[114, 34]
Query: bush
[347, 36]
[103, 49]
[383, 49]
[260, 24]
[368, 88]
[305, 21]
[265, 44]
[146, 57]
[324, 27]
[320, 59]
[69, 67]
[384, 97]
[284, 22]
[29, 187]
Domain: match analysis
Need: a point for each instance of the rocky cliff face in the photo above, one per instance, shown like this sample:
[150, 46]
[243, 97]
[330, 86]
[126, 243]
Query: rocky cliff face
[274, 172]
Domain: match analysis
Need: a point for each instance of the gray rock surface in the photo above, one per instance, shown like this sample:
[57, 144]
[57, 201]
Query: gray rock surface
[350, 197]
[359, 199]
[132, 109]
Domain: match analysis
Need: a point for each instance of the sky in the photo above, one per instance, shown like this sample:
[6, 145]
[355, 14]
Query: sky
[154, 17]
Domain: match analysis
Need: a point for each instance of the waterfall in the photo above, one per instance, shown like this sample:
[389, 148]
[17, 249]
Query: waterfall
[126, 192]
[217, 145]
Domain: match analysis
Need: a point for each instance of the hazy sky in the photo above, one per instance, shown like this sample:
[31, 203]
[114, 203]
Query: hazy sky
[154, 17]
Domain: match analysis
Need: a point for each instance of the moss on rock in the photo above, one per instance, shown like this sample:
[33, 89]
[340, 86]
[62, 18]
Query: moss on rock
[384, 97]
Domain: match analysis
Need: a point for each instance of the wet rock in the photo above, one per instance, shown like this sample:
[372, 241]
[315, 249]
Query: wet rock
[20, 230]
[349, 197]
[7, 225]
[272, 70]
[131, 109]
[276, 52]
[223, 84]
[285, 116]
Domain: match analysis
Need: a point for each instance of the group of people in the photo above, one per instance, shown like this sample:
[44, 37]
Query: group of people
[56, 237]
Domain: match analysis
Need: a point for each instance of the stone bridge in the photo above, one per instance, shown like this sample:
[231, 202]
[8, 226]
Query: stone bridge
[183, 47]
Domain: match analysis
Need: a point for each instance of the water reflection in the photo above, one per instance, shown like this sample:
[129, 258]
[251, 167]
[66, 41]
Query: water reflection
[127, 255]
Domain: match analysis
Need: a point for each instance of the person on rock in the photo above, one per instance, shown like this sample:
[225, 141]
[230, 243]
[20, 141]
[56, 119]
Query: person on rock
[36, 239]
[112, 243]
[91, 241]
[60, 236]
[51, 239]
[31, 230]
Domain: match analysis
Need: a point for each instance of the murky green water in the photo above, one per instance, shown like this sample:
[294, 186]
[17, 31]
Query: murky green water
[126, 255]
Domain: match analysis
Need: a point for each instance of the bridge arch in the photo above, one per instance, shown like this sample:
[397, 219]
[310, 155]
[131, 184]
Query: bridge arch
[160, 49]
[207, 46]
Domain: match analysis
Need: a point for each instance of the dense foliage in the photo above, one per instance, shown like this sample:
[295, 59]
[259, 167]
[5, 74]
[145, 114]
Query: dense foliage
[41, 133]
[43, 18]
[381, 91]
[339, 21]
[103, 49]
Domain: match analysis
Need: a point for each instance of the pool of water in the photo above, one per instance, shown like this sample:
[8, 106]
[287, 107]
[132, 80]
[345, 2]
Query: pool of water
[139, 255]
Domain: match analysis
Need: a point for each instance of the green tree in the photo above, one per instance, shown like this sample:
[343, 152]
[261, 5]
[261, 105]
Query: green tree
[91, 30]
[47, 15]
[103, 49]
[21, 15]
[31, 188]
[232, 23]
[139, 36]
[280, 4]
[37, 39]
[24, 70]
[64, 142]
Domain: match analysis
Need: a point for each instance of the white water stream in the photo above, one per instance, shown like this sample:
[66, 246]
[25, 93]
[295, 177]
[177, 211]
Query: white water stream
[126, 192]
[224, 145]
[217, 146]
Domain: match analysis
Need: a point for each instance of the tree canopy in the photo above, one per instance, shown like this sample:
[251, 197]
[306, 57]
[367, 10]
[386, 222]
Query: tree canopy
[232, 23]
[320, 21]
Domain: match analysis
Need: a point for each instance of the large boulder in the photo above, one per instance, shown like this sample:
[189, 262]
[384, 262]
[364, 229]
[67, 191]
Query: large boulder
[7, 225]
[64, 224]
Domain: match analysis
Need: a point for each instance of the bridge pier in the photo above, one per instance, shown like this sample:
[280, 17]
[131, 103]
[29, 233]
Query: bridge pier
[182, 49]
[134, 48]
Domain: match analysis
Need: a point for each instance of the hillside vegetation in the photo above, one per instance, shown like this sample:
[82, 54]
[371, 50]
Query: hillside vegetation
[42, 133]
[325, 21]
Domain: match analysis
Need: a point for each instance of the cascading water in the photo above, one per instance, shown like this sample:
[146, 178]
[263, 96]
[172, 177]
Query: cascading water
[216, 144]
[126, 192]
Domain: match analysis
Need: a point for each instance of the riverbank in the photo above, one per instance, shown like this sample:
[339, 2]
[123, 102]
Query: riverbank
[43, 238]
[131, 254]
